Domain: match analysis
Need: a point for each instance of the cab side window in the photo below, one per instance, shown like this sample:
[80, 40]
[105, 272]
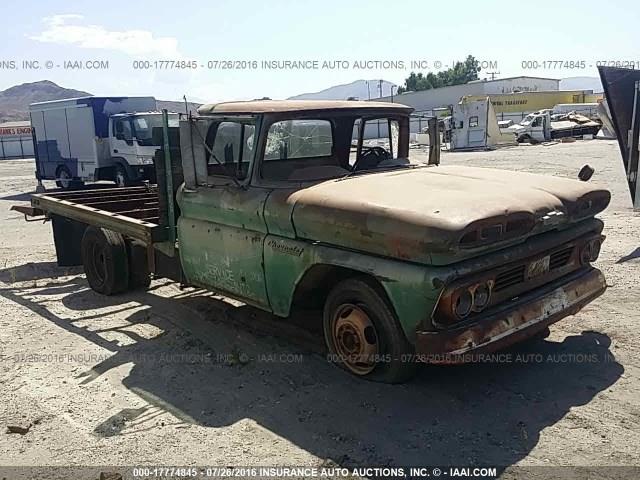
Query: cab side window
[231, 145]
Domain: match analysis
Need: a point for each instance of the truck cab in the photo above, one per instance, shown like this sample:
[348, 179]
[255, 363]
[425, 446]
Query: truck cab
[535, 126]
[132, 145]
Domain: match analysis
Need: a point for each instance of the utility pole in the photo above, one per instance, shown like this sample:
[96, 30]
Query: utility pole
[368, 90]
[380, 88]
[493, 74]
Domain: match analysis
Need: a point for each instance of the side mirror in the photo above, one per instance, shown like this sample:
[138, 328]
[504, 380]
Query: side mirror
[586, 173]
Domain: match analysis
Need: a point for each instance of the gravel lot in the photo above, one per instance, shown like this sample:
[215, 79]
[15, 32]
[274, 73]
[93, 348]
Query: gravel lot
[176, 377]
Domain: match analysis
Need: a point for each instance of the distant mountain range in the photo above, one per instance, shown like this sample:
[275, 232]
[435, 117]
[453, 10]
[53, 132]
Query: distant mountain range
[357, 89]
[14, 101]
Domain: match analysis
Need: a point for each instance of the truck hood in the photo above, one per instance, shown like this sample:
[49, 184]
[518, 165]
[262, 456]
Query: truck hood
[438, 215]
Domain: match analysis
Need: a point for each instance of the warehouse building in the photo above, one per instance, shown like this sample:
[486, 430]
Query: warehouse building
[426, 100]
[16, 140]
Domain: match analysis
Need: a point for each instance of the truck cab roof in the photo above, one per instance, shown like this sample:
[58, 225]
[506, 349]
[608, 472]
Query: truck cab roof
[256, 107]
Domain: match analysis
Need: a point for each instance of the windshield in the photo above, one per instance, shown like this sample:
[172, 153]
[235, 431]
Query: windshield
[527, 120]
[311, 149]
[143, 126]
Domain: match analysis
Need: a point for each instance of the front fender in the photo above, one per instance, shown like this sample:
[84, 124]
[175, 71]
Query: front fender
[410, 287]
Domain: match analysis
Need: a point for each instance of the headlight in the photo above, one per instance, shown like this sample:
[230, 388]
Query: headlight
[467, 299]
[481, 296]
[590, 251]
[463, 303]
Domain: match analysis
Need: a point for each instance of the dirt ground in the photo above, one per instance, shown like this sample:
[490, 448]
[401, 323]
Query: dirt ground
[175, 377]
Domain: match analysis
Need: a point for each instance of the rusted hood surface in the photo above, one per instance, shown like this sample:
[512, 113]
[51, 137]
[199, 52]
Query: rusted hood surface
[423, 213]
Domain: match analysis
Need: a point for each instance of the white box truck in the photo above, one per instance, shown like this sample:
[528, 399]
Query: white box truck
[96, 138]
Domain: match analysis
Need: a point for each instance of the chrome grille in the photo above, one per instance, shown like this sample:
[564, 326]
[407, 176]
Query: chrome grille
[509, 278]
[560, 258]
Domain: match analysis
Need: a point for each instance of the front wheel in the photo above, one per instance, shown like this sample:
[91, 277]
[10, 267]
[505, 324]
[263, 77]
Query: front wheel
[363, 335]
[121, 176]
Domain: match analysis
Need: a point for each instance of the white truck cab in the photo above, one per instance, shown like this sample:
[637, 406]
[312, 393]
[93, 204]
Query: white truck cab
[535, 126]
[132, 145]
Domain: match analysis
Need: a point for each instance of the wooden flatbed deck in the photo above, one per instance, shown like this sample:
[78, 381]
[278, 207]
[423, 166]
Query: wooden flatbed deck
[131, 211]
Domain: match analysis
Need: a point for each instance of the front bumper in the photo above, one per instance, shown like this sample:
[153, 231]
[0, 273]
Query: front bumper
[521, 319]
[142, 172]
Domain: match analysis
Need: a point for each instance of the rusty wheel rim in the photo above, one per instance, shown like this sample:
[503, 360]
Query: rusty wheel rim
[355, 339]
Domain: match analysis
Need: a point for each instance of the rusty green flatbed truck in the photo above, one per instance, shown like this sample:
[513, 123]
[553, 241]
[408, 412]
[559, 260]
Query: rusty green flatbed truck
[288, 204]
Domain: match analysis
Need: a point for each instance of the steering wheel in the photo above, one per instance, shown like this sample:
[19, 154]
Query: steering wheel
[371, 157]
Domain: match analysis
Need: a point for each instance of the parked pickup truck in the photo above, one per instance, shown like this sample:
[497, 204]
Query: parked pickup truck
[280, 204]
[542, 126]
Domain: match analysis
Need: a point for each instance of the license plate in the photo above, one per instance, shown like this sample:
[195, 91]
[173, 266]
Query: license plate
[538, 267]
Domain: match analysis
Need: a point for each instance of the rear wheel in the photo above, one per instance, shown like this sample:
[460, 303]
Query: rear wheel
[65, 180]
[362, 334]
[104, 256]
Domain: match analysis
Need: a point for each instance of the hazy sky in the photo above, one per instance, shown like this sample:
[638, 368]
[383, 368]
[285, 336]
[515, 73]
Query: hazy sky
[121, 32]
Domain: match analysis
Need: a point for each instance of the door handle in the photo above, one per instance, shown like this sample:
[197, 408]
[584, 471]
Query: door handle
[115, 151]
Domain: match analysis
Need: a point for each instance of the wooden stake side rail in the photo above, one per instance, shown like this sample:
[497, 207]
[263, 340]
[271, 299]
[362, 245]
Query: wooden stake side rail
[131, 211]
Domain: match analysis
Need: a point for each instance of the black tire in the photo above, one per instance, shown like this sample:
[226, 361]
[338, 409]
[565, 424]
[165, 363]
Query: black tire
[66, 182]
[139, 275]
[104, 256]
[394, 357]
[121, 176]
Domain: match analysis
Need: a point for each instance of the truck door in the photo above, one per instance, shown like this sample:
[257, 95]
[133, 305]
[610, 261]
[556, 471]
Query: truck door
[622, 91]
[221, 228]
[121, 139]
[470, 124]
[477, 132]
[538, 128]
